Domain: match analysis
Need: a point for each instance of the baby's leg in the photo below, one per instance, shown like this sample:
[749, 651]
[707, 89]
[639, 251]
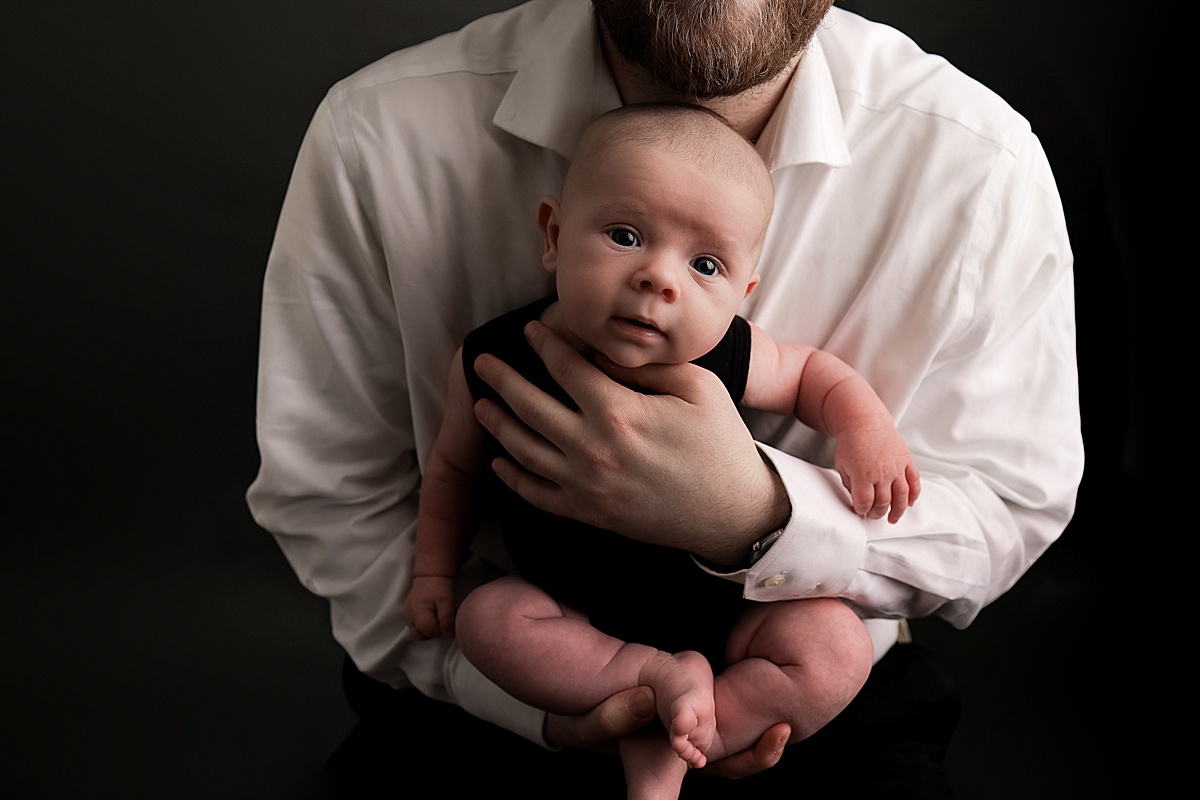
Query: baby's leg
[797, 661]
[653, 771]
[547, 655]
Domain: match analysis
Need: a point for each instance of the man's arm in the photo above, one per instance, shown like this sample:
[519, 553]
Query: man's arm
[993, 423]
[339, 476]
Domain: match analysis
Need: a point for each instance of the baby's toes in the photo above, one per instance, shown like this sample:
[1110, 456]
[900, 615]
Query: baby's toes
[687, 751]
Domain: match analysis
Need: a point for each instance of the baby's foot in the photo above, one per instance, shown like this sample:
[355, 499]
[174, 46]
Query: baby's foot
[683, 687]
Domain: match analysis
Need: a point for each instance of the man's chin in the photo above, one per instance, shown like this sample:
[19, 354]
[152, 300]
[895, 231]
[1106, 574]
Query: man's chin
[706, 58]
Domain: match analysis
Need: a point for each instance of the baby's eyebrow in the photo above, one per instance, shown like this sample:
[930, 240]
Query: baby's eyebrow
[622, 208]
[709, 237]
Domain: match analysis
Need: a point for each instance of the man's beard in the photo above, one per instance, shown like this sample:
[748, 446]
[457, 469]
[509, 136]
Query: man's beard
[710, 48]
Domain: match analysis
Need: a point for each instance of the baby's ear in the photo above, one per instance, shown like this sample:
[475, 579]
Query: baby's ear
[754, 279]
[547, 216]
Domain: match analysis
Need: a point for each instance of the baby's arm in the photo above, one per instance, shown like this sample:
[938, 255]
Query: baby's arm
[825, 393]
[445, 512]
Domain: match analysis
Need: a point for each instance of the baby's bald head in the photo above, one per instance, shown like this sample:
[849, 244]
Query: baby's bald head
[691, 132]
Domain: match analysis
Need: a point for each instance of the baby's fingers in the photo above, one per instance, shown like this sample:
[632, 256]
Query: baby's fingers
[883, 499]
[864, 498]
[913, 476]
[445, 619]
[423, 625]
[901, 499]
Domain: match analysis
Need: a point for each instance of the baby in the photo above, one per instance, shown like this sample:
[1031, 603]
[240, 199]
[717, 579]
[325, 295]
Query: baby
[654, 244]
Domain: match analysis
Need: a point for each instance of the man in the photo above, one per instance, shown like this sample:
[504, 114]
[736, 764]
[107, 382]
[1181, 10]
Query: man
[918, 235]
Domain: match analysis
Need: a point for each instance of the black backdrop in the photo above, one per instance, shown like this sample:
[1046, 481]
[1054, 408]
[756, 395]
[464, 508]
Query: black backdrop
[156, 643]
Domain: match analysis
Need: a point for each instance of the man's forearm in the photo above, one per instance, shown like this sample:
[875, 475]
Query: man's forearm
[728, 545]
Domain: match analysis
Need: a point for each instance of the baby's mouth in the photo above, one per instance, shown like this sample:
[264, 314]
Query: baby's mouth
[641, 324]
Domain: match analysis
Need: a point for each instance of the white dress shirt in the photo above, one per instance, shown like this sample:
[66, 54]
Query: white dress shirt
[917, 234]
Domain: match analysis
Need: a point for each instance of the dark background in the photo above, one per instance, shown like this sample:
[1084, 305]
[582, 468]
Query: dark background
[156, 643]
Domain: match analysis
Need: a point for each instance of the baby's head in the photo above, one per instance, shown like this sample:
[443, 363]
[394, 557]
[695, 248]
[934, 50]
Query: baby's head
[655, 240]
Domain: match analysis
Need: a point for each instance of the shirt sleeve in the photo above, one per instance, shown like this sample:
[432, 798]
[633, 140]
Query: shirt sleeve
[339, 474]
[993, 425]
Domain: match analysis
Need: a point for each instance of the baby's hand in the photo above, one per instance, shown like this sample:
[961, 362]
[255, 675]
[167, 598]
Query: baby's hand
[429, 607]
[878, 471]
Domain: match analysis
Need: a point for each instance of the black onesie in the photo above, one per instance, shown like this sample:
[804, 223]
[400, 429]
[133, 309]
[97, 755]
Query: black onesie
[634, 591]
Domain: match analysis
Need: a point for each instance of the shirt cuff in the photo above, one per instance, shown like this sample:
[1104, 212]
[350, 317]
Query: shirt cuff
[487, 701]
[823, 544]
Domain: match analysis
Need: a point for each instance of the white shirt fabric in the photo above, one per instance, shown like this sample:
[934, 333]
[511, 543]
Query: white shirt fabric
[917, 234]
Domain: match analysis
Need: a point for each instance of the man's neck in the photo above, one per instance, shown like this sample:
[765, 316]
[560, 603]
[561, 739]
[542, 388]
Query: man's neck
[747, 112]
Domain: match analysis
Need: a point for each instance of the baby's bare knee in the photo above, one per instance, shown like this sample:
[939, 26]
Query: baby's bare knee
[857, 651]
[845, 642]
[835, 665]
[822, 639]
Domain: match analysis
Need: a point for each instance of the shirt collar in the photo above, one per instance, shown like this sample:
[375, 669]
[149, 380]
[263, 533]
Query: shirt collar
[807, 126]
[562, 83]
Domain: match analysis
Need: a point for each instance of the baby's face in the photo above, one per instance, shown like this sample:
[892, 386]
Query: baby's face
[653, 254]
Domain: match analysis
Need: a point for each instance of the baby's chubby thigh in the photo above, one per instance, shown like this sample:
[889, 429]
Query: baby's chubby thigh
[507, 600]
[497, 614]
[543, 652]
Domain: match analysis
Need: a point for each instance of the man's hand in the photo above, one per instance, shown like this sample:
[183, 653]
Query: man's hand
[631, 710]
[619, 715]
[676, 468]
[764, 755]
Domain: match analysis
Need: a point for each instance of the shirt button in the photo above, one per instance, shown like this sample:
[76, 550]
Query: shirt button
[773, 581]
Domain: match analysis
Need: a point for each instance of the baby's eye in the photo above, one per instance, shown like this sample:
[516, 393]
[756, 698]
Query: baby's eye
[705, 266]
[623, 237]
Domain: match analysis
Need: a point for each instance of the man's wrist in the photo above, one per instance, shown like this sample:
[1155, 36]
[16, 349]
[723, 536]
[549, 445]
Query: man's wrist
[757, 550]
[733, 553]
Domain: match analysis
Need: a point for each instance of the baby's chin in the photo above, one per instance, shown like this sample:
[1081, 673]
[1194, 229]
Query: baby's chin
[604, 362]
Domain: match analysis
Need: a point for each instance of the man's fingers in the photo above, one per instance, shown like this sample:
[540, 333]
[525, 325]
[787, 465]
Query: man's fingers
[538, 463]
[578, 377]
[763, 755]
[685, 381]
[624, 713]
[619, 715]
[535, 408]
[530, 449]
[535, 490]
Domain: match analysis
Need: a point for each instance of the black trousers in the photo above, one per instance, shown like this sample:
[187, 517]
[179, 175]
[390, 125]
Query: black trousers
[888, 743]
